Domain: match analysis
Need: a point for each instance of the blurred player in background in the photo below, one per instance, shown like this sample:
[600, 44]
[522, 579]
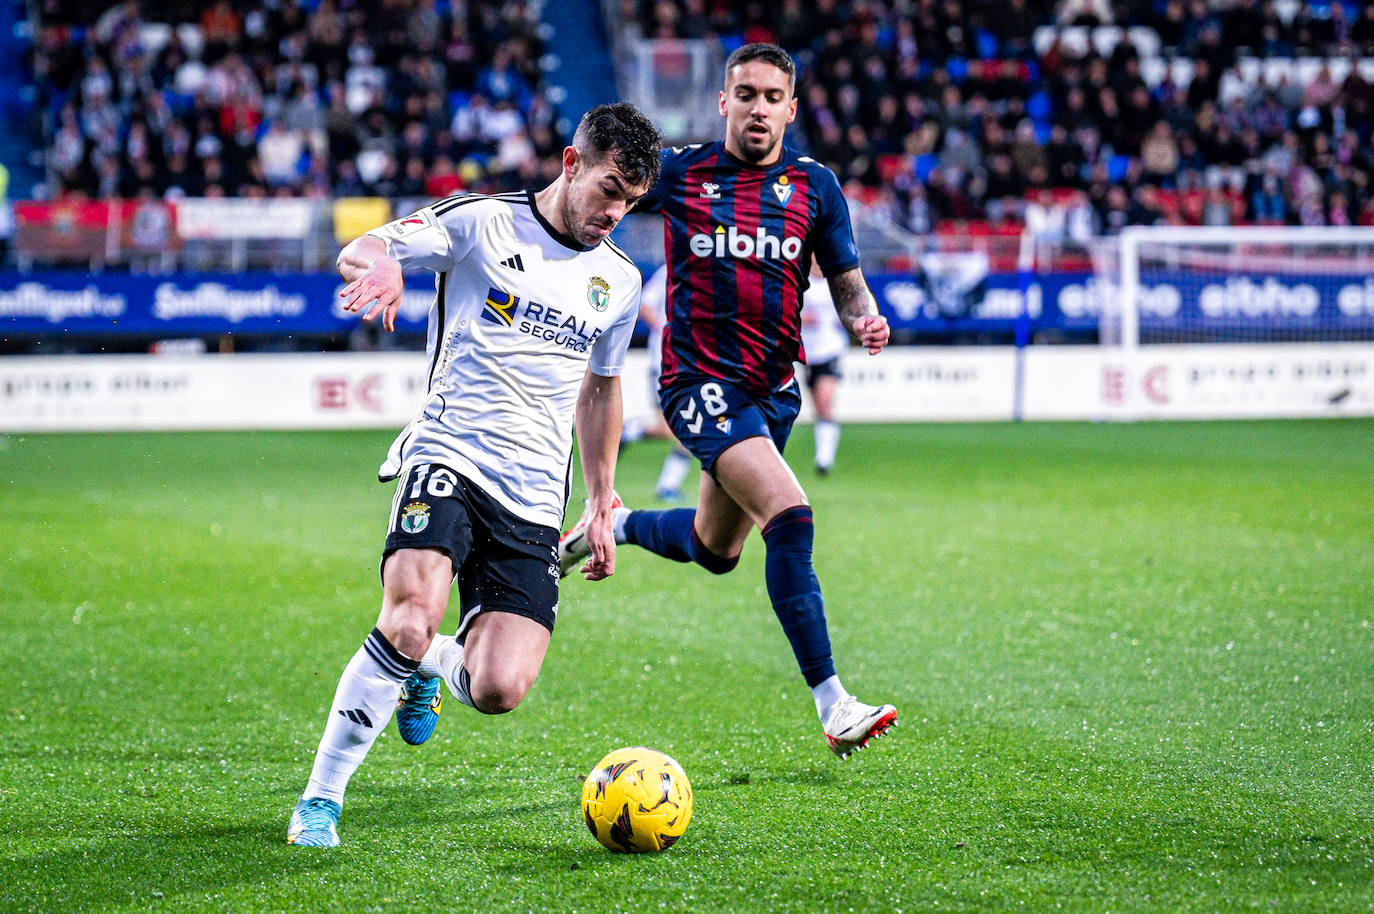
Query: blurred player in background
[533, 313]
[824, 341]
[743, 219]
[653, 311]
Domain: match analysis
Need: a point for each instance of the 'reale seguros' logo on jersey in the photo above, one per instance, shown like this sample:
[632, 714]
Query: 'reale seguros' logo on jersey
[731, 242]
[545, 322]
[598, 293]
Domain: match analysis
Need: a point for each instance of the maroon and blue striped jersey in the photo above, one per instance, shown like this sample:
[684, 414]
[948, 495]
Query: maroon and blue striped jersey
[739, 240]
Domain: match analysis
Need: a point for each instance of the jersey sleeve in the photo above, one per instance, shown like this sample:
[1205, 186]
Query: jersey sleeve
[652, 202]
[608, 351]
[833, 236]
[426, 241]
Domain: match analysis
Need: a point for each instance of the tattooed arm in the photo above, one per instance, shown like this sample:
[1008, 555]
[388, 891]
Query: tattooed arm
[858, 310]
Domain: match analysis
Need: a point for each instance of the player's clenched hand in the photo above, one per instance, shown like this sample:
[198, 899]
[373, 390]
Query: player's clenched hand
[601, 563]
[872, 333]
[378, 290]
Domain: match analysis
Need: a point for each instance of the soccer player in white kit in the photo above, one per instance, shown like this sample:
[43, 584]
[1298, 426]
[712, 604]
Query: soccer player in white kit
[824, 341]
[653, 310]
[533, 313]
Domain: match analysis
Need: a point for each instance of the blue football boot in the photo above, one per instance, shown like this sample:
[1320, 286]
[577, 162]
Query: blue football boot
[417, 710]
[314, 822]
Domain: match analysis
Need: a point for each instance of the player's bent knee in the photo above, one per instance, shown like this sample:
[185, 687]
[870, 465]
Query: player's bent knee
[496, 701]
[716, 564]
[409, 628]
[711, 561]
[499, 694]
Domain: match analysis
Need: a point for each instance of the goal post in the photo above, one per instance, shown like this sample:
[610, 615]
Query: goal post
[1198, 321]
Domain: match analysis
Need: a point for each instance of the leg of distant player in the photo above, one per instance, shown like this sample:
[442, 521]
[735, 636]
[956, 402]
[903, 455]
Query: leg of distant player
[676, 465]
[414, 597]
[827, 430]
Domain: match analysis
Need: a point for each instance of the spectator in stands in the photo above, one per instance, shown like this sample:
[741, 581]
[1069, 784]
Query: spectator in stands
[1159, 156]
[1217, 209]
[280, 152]
[1084, 12]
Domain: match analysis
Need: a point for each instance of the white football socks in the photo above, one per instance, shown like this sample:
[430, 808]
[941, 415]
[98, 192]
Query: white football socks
[828, 694]
[444, 659]
[618, 517]
[674, 472]
[363, 703]
[827, 442]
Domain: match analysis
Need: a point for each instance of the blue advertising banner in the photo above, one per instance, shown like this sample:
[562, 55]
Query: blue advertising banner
[201, 303]
[960, 296]
[1169, 301]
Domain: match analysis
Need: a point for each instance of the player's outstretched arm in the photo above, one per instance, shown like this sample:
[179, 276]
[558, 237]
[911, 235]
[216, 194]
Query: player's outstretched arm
[374, 280]
[858, 310]
[599, 417]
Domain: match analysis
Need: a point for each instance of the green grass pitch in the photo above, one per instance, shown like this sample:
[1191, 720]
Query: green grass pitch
[1134, 663]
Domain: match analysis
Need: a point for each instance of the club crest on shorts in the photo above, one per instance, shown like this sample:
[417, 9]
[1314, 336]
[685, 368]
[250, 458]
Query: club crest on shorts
[723, 425]
[415, 517]
[598, 293]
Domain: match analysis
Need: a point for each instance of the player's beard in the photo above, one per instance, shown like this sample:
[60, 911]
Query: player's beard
[577, 226]
[755, 153]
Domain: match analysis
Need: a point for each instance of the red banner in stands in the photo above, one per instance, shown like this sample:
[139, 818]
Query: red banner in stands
[78, 231]
[64, 230]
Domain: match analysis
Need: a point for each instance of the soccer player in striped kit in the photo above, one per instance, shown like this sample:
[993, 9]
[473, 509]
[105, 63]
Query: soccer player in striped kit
[743, 219]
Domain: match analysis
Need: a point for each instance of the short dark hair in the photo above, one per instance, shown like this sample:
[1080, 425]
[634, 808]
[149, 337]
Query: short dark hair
[623, 132]
[768, 53]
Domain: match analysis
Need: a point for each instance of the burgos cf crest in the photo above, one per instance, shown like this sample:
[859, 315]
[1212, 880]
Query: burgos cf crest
[415, 517]
[598, 293]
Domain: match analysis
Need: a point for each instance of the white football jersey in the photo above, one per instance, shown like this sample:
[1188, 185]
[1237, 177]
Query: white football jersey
[520, 312]
[823, 336]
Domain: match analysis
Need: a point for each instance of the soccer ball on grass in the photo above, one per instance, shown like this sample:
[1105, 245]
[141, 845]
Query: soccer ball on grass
[637, 800]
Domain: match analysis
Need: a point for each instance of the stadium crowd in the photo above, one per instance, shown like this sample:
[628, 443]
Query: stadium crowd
[949, 110]
[297, 97]
[936, 109]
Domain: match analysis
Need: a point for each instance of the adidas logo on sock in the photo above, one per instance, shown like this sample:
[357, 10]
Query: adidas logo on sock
[514, 262]
[358, 716]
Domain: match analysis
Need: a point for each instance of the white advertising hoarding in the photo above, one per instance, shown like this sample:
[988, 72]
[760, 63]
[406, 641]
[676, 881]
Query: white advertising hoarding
[1240, 381]
[384, 390]
[225, 218]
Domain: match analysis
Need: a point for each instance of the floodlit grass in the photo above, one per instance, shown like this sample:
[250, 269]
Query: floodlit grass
[1135, 666]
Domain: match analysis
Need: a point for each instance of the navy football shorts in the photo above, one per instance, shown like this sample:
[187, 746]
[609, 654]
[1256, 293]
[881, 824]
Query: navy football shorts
[501, 562]
[708, 416]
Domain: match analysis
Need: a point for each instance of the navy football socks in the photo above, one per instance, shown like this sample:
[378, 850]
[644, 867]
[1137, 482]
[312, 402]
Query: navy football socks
[792, 586]
[670, 534]
[795, 592]
[666, 533]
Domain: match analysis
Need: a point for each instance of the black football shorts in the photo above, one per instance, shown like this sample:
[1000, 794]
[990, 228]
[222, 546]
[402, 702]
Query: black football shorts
[501, 562]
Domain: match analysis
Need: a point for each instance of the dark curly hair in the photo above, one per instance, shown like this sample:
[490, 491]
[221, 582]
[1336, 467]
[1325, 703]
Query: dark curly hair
[623, 132]
[768, 53]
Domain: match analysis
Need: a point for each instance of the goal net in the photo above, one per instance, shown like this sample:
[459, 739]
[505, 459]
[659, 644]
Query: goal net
[1261, 320]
